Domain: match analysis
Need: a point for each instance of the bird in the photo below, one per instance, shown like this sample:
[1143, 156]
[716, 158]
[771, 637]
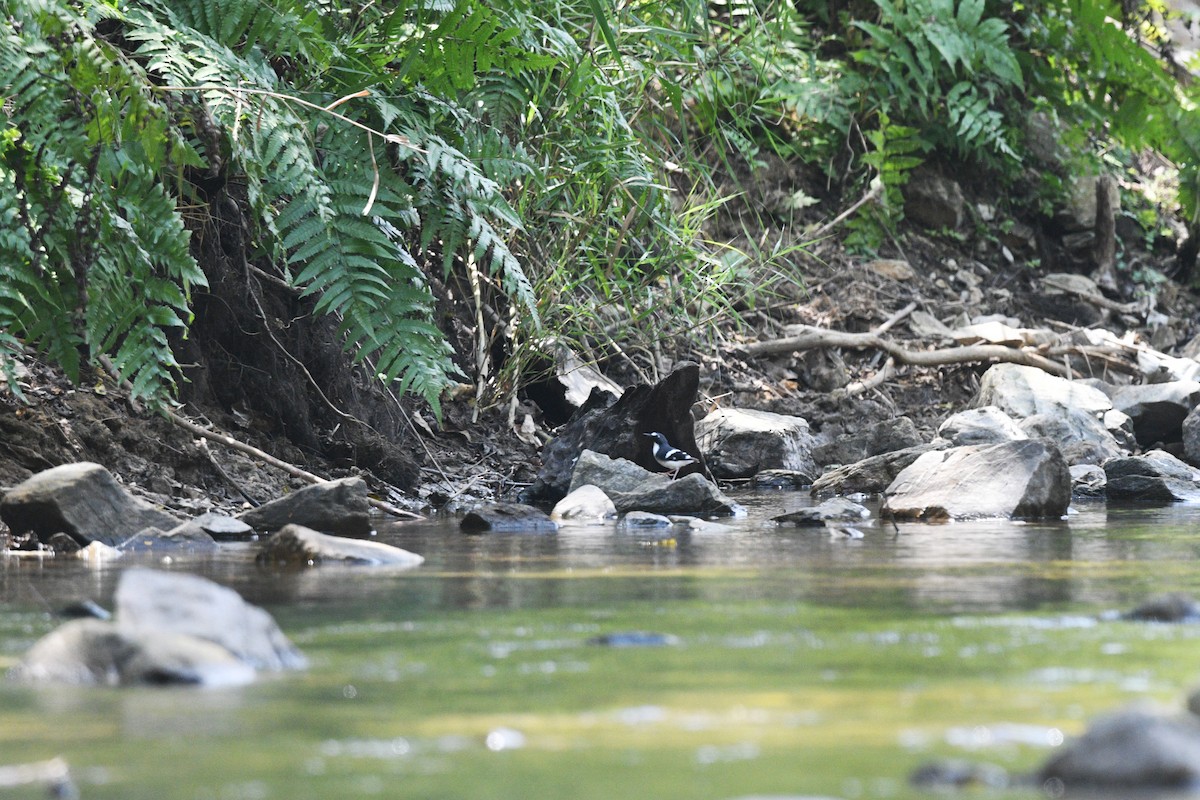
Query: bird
[671, 458]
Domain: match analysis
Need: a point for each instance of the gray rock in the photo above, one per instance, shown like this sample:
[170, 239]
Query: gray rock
[188, 537]
[82, 500]
[1129, 750]
[737, 443]
[222, 526]
[780, 479]
[340, 507]
[871, 475]
[1081, 437]
[883, 436]
[951, 775]
[1025, 479]
[296, 544]
[933, 201]
[507, 518]
[100, 652]
[835, 509]
[1155, 478]
[1021, 392]
[644, 519]
[1173, 607]
[986, 425]
[1088, 480]
[1157, 409]
[152, 601]
[697, 525]
[586, 504]
[632, 488]
[1191, 436]
[1155, 463]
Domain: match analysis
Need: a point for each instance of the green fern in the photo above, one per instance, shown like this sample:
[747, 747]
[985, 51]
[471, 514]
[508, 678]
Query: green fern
[80, 179]
[944, 65]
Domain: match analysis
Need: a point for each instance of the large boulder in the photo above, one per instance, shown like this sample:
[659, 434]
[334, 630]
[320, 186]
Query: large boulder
[1022, 479]
[1079, 416]
[1129, 751]
[738, 442]
[615, 427]
[1157, 409]
[632, 488]
[296, 544]
[154, 600]
[82, 500]
[341, 507]
[1021, 392]
[168, 628]
[1156, 478]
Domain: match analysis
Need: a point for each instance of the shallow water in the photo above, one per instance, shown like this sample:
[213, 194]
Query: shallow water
[599, 663]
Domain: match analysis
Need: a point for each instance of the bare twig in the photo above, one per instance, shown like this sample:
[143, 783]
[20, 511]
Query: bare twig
[894, 319]
[873, 193]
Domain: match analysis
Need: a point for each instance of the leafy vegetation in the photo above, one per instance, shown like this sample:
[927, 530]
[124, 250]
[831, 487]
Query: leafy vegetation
[541, 170]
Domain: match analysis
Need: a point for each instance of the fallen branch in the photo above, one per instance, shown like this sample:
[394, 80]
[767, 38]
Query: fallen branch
[817, 338]
[290, 469]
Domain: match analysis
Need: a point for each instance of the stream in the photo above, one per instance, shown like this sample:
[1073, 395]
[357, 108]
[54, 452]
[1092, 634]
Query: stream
[603, 663]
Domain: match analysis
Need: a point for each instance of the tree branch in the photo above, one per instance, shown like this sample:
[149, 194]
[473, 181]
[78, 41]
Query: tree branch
[815, 338]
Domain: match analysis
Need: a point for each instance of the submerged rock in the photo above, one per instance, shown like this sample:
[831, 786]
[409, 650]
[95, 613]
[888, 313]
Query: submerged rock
[644, 519]
[780, 479]
[296, 544]
[1026, 479]
[168, 629]
[956, 774]
[585, 504]
[100, 652]
[82, 500]
[835, 509]
[188, 537]
[507, 517]
[341, 507]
